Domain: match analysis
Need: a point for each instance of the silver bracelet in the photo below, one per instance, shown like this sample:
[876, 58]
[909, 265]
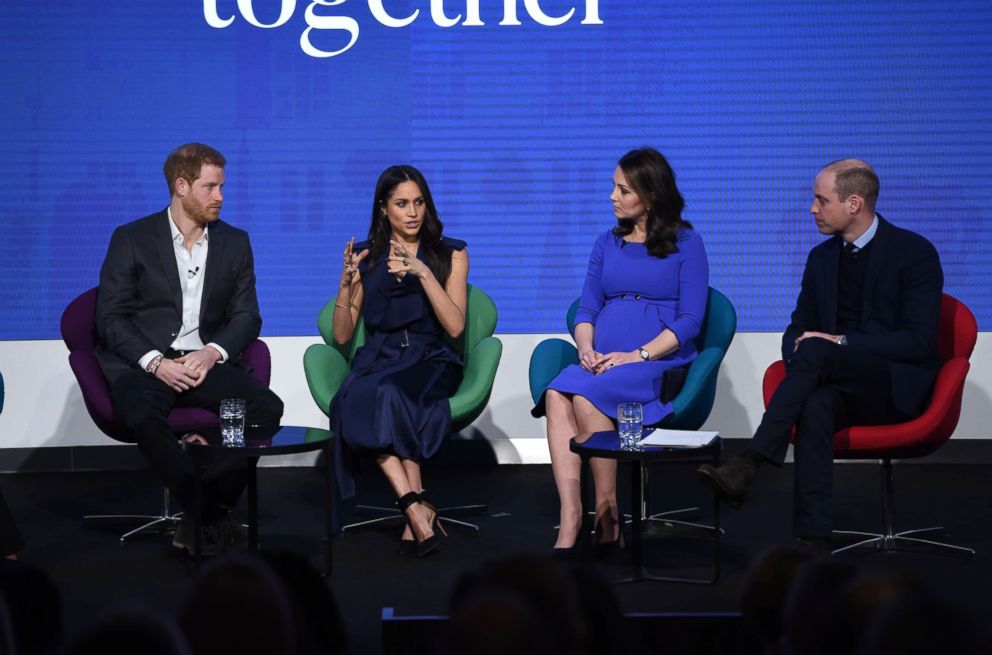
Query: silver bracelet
[342, 306]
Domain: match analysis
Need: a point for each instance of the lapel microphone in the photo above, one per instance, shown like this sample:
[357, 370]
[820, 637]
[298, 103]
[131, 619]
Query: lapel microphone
[191, 272]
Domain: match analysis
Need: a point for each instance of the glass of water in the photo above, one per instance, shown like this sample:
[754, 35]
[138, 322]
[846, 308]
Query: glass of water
[629, 423]
[232, 422]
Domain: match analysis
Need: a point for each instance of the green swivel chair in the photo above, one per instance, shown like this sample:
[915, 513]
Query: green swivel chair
[690, 408]
[327, 364]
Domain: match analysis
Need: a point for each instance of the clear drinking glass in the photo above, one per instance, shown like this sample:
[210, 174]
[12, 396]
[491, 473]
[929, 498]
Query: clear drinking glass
[232, 422]
[629, 424]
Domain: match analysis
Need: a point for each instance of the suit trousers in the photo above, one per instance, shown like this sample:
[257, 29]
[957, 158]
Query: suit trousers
[826, 388]
[143, 403]
[10, 538]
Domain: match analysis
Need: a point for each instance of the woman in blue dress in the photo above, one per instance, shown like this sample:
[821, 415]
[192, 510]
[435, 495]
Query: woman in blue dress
[641, 308]
[410, 284]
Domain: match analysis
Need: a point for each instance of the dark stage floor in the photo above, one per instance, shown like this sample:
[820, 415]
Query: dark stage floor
[96, 574]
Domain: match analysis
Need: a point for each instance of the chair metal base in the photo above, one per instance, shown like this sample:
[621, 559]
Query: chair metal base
[886, 542]
[890, 539]
[663, 519]
[394, 514]
[165, 522]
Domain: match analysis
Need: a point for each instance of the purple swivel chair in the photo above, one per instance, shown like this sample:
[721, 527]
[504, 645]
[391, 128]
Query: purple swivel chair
[79, 334]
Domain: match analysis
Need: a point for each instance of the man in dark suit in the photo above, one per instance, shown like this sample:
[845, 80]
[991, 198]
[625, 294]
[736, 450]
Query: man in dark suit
[10, 537]
[861, 348]
[175, 308]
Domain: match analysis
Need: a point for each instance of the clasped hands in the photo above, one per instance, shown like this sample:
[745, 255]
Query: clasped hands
[189, 371]
[598, 363]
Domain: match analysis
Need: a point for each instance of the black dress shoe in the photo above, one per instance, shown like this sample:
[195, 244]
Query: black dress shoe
[729, 481]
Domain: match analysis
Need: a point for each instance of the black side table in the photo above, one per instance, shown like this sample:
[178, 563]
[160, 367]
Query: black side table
[263, 441]
[607, 446]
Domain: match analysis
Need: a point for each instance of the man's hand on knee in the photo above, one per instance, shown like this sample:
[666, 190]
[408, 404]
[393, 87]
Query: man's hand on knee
[178, 376]
[815, 335]
[200, 361]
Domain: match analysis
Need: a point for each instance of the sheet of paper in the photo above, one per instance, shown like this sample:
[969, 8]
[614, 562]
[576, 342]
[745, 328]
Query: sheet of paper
[683, 438]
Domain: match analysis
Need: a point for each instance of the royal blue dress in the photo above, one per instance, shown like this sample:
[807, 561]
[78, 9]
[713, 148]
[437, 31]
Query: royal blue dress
[395, 398]
[630, 296]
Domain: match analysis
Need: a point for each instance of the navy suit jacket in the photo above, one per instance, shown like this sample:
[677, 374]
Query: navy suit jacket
[900, 308]
[139, 302]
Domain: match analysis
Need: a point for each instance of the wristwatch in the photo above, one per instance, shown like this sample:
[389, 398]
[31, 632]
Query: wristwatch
[842, 340]
[645, 355]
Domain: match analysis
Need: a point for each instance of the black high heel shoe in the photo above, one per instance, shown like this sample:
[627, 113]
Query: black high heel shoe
[409, 546]
[429, 544]
[572, 552]
[602, 549]
[575, 550]
[435, 520]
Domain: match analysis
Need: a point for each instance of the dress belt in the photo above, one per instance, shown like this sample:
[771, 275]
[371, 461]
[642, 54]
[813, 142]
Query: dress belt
[405, 337]
[626, 297]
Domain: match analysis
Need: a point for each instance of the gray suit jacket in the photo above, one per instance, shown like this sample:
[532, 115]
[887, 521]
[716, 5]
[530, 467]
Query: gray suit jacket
[139, 302]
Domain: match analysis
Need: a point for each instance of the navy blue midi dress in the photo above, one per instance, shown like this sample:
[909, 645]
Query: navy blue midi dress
[395, 398]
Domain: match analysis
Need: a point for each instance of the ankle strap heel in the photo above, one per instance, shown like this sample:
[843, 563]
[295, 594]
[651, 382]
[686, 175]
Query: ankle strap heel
[429, 544]
[407, 499]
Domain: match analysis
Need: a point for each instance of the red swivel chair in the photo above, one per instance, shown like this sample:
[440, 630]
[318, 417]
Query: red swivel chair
[956, 337]
[80, 337]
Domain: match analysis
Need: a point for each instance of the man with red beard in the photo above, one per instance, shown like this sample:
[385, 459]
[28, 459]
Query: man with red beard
[175, 308]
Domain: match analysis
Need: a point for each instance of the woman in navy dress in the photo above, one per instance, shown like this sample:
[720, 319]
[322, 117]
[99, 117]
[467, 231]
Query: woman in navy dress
[641, 308]
[410, 284]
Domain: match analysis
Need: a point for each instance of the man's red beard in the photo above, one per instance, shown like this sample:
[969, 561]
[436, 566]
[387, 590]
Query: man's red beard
[200, 213]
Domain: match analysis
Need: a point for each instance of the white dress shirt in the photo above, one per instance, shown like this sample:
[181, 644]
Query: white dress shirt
[191, 265]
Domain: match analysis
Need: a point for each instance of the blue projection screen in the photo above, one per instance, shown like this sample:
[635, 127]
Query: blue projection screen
[516, 111]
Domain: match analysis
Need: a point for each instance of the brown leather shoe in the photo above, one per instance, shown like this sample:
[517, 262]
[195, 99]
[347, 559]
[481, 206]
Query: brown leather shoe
[183, 538]
[227, 533]
[729, 481]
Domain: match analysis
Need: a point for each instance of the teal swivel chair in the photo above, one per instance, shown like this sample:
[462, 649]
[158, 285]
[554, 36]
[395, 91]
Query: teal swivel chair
[327, 364]
[691, 407]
